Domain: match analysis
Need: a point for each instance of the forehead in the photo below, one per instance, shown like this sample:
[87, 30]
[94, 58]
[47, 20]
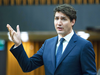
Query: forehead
[60, 14]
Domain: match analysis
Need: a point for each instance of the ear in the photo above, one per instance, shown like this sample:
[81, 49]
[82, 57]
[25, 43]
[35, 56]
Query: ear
[73, 22]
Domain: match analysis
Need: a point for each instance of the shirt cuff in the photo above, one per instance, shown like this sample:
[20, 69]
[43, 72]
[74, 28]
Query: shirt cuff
[15, 46]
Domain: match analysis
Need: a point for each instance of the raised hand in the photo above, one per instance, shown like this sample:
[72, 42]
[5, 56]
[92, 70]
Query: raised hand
[15, 36]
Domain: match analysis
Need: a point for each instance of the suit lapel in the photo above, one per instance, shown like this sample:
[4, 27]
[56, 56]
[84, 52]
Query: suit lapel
[69, 47]
[54, 43]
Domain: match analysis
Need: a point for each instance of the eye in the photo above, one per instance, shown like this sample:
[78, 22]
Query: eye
[63, 18]
[56, 18]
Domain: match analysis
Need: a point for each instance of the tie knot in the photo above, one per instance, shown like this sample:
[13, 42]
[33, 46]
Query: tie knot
[61, 40]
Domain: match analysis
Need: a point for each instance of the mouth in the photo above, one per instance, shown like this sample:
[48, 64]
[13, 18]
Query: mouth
[60, 28]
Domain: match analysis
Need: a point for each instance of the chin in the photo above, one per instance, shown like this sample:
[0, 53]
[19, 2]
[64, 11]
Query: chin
[60, 32]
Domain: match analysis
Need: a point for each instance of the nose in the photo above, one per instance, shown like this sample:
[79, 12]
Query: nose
[59, 22]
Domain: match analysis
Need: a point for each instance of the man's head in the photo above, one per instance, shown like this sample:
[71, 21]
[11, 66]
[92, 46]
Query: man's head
[67, 10]
[64, 19]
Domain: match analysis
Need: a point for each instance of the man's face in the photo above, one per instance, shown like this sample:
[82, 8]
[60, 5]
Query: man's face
[62, 23]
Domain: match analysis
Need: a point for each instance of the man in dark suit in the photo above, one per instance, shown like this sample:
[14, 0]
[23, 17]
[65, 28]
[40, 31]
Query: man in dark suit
[65, 54]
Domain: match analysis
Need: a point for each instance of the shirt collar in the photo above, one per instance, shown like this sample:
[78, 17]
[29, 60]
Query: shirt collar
[67, 37]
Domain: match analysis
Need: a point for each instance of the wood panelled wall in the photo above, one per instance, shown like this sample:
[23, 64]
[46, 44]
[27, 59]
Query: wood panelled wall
[13, 67]
[47, 2]
[96, 46]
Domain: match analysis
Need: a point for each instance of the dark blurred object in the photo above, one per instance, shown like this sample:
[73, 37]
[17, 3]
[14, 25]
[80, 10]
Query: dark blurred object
[95, 29]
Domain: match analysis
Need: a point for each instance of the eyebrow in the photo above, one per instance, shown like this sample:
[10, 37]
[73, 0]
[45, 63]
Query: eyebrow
[63, 17]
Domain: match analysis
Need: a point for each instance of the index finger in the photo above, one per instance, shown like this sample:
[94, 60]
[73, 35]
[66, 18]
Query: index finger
[18, 30]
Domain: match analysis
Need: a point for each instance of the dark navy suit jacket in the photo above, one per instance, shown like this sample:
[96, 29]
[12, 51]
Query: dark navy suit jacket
[77, 59]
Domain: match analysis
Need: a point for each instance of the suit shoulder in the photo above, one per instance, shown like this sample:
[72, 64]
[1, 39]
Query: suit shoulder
[82, 40]
[51, 39]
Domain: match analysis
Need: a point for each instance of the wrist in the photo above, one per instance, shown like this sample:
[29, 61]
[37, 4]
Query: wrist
[16, 45]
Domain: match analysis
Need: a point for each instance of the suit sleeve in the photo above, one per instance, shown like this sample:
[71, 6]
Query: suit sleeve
[27, 64]
[88, 60]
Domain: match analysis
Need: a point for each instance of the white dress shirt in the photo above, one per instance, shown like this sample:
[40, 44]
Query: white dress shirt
[66, 41]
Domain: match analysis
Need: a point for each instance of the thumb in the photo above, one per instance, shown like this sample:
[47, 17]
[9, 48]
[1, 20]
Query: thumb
[18, 30]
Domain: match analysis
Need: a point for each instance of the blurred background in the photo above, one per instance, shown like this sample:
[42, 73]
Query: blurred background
[35, 18]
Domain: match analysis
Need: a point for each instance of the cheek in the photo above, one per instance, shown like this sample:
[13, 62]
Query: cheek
[54, 23]
[67, 27]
